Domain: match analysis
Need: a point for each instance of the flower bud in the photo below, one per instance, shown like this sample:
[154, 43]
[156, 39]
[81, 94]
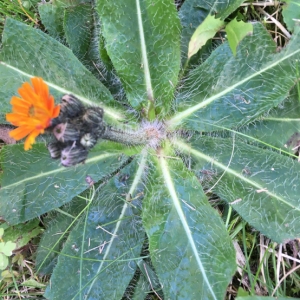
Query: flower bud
[55, 149]
[73, 155]
[71, 107]
[88, 140]
[65, 132]
[93, 120]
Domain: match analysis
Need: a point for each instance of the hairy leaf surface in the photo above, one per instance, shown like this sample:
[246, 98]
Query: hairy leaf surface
[184, 233]
[28, 52]
[262, 186]
[231, 91]
[281, 127]
[30, 190]
[56, 233]
[52, 18]
[78, 26]
[142, 40]
[103, 246]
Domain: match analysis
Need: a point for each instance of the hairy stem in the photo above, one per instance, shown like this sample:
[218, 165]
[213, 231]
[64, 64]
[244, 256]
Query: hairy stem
[127, 137]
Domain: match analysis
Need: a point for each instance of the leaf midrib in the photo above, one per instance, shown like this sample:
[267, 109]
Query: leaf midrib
[201, 155]
[172, 191]
[137, 178]
[110, 112]
[146, 68]
[61, 169]
[184, 114]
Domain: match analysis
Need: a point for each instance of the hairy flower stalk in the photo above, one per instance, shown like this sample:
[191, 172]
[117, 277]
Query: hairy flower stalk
[150, 133]
[78, 128]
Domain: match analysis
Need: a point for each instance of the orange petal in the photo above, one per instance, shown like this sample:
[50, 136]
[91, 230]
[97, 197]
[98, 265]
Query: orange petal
[20, 132]
[19, 101]
[17, 118]
[50, 103]
[27, 93]
[21, 110]
[31, 139]
[40, 87]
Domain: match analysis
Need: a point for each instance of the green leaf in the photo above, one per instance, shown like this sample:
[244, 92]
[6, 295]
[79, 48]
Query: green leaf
[232, 91]
[148, 272]
[55, 235]
[52, 18]
[264, 298]
[52, 15]
[7, 248]
[142, 289]
[78, 25]
[205, 31]
[31, 190]
[291, 13]
[193, 12]
[1, 232]
[21, 234]
[142, 40]
[280, 128]
[28, 52]
[253, 181]
[33, 283]
[225, 8]
[236, 31]
[184, 232]
[104, 244]
[3, 261]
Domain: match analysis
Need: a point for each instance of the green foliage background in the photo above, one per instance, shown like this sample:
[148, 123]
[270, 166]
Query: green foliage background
[126, 57]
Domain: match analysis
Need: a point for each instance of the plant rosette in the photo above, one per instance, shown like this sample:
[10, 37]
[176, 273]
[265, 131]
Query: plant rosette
[137, 140]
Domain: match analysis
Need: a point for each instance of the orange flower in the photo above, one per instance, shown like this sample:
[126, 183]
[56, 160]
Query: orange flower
[32, 112]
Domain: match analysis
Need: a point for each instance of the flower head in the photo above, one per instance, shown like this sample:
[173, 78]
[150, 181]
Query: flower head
[32, 112]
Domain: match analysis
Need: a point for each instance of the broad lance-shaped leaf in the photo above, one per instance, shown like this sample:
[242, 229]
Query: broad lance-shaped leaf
[28, 52]
[32, 183]
[231, 91]
[104, 245]
[52, 15]
[261, 185]
[52, 18]
[184, 233]
[78, 26]
[142, 40]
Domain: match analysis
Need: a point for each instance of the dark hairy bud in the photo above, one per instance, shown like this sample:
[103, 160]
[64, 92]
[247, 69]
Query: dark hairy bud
[65, 132]
[71, 107]
[73, 155]
[93, 115]
[93, 121]
[76, 130]
[55, 149]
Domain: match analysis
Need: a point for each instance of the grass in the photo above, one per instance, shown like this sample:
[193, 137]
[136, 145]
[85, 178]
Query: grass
[25, 11]
[265, 268]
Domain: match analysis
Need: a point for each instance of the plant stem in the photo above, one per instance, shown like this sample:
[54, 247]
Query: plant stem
[127, 137]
